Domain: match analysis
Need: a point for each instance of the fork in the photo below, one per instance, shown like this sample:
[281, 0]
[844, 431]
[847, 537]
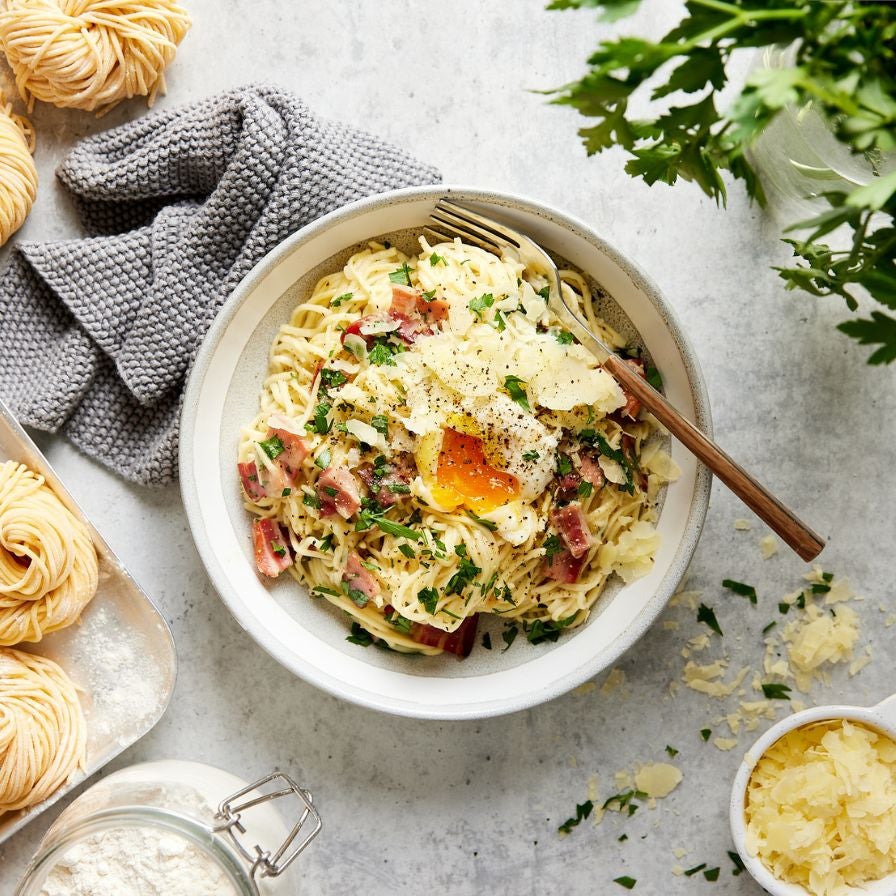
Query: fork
[450, 220]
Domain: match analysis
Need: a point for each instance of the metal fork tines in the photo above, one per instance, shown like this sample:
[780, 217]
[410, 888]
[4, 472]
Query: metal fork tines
[454, 220]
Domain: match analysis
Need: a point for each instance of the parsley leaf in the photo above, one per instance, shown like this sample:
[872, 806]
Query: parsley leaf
[625, 881]
[402, 275]
[564, 337]
[707, 615]
[775, 691]
[435, 259]
[272, 447]
[323, 459]
[487, 641]
[583, 810]
[531, 456]
[477, 306]
[516, 389]
[671, 751]
[360, 636]
[747, 591]
[539, 631]
[739, 866]
[552, 545]
[320, 421]
[466, 572]
[380, 423]
[381, 355]
[654, 378]
[331, 379]
[706, 733]
[499, 322]
[429, 599]
[695, 870]
[486, 524]
[509, 635]
[339, 300]
[712, 874]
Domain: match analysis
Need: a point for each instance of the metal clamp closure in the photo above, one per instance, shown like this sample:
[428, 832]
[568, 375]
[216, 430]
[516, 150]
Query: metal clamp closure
[266, 863]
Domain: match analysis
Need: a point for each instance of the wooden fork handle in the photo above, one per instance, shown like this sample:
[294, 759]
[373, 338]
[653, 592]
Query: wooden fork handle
[763, 503]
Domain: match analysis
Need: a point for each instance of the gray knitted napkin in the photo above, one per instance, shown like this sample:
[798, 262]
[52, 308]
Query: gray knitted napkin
[97, 335]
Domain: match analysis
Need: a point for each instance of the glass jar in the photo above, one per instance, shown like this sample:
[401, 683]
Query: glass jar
[798, 158]
[194, 825]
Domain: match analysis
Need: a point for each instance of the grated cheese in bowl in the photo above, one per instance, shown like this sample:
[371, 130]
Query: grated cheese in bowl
[820, 807]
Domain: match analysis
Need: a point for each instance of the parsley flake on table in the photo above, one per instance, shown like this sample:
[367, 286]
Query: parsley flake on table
[775, 691]
[695, 870]
[706, 733]
[707, 615]
[711, 874]
[740, 588]
[739, 866]
[583, 810]
[671, 751]
[625, 881]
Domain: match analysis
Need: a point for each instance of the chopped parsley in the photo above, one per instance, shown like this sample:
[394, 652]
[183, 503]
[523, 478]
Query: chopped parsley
[477, 306]
[671, 751]
[467, 570]
[360, 636]
[487, 641]
[278, 549]
[435, 259]
[625, 881]
[407, 550]
[516, 389]
[583, 810]
[564, 337]
[320, 421]
[499, 322]
[326, 543]
[531, 456]
[706, 733]
[380, 423]
[584, 489]
[509, 635]
[429, 599]
[800, 602]
[591, 437]
[331, 379]
[272, 447]
[775, 691]
[539, 631]
[545, 292]
[564, 464]
[740, 588]
[309, 499]
[695, 870]
[712, 874]
[828, 577]
[707, 615]
[487, 524]
[769, 627]
[654, 378]
[381, 354]
[625, 801]
[552, 545]
[399, 622]
[368, 518]
[322, 589]
[739, 866]
[783, 608]
[323, 459]
[286, 493]
[402, 275]
[339, 300]
[820, 588]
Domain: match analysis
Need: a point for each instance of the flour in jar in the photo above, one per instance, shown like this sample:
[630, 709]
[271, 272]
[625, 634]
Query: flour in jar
[136, 861]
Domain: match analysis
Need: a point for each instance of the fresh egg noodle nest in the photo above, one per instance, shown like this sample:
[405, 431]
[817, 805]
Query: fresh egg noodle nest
[42, 729]
[90, 54]
[627, 537]
[48, 565]
[18, 176]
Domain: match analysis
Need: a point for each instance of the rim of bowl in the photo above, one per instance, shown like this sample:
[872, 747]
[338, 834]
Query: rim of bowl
[692, 529]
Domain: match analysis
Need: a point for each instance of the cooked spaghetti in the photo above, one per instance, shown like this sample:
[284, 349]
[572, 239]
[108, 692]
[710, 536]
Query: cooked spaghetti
[48, 565]
[433, 445]
[42, 729]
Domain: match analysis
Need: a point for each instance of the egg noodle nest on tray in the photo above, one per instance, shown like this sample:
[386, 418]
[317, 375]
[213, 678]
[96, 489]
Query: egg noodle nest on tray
[432, 445]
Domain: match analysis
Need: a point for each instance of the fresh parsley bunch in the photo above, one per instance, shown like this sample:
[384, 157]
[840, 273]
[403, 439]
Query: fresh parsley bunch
[845, 64]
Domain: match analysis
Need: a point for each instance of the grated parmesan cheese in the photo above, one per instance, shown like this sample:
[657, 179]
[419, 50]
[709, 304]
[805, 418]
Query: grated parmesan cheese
[743, 525]
[768, 546]
[821, 807]
[819, 638]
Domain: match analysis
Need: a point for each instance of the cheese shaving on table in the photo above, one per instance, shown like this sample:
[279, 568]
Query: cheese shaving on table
[657, 779]
[743, 525]
[821, 807]
[614, 680]
[704, 678]
[819, 639]
[768, 546]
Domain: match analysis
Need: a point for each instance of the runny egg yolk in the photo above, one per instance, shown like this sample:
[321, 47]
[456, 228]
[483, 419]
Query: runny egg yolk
[464, 476]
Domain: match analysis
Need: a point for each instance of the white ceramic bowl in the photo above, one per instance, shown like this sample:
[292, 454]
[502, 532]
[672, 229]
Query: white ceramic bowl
[881, 717]
[307, 636]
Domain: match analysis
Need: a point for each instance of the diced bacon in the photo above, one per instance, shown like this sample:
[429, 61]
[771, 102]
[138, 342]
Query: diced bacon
[632, 406]
[567, 486]
[338, 492]
[272, 554]
[359, 580]
[379, 479]
[295, 448]
[366, 323]
[404, 300]
[564, 568]
[251, 483]
[573, 527]
[409, 328]
[591, 471]
[435, 309]
[459, 642]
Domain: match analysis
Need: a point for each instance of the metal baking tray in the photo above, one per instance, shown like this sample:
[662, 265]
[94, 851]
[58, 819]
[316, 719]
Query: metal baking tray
[120, 655]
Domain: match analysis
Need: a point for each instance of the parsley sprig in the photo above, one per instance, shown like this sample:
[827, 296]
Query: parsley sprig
[843, 64]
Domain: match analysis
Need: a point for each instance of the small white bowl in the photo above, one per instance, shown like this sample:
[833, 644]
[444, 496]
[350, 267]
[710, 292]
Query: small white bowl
[308, 636]
[881, 717]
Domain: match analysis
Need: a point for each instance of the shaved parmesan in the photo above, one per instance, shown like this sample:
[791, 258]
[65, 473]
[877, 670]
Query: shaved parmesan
[821, 807]
[657, 779]
[820, 638]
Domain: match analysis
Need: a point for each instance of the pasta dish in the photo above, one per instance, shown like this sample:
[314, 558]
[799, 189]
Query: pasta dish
[432, 445]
